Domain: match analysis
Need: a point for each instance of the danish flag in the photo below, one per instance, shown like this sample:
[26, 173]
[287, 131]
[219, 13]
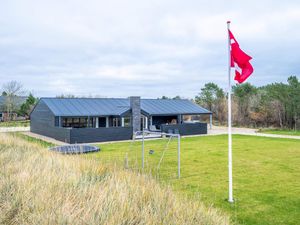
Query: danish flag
[239, 60]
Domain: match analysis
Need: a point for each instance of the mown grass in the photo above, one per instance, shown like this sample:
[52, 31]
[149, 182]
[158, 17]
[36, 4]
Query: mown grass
[22, 123]
[42, 187]
[265, 171]
[280, 131]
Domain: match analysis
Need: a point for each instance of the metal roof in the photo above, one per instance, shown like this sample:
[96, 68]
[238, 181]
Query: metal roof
[87, 106]
[119, 106]
[171, 106]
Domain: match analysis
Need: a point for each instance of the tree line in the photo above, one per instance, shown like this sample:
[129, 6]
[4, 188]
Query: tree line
[13, 104]
[276, 104]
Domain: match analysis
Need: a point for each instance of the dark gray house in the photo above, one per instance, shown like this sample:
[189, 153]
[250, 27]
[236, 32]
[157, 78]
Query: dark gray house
[83, 120]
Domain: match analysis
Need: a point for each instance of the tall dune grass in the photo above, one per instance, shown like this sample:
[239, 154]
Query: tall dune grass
[41, 187]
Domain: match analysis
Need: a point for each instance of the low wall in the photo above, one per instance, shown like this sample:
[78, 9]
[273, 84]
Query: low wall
[185, 128]
[88, 135]
[58, 133]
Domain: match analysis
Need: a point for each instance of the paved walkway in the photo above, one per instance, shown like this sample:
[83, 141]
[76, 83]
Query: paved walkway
[216, 130]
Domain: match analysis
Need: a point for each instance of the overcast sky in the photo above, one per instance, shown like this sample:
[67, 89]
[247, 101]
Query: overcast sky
[147, 48]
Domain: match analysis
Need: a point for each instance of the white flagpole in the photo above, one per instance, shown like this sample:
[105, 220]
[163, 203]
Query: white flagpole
[230, 198]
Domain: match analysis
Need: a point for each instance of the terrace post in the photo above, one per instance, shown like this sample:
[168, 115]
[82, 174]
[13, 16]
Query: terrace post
[146, 122]
[97, 122]
[179, 119]
[107, 122]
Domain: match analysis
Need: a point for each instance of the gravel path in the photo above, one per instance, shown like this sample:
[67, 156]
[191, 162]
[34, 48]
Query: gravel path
[246, 131]
[44, 138]
[14, 129]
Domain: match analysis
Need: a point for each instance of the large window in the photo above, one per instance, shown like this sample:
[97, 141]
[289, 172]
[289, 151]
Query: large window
[102, 121]
[77, 122]
[92, 122]
[191, 118]
[127, 121]
[116, 122]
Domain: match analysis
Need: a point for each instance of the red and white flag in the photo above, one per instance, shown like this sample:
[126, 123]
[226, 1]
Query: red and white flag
[239, 60]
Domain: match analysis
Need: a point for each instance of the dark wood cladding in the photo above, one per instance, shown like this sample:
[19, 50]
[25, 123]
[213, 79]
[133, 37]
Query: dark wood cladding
[185, 128]
[88, 135]
[42, 122]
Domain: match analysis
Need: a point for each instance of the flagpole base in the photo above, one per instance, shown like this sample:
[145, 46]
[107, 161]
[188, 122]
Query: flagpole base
[231, 200]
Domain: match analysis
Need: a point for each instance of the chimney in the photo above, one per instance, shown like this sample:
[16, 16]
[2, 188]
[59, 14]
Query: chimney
[135, 105]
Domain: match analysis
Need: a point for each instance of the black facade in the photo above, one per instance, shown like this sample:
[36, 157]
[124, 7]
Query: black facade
[185, 128]
[88, 135]
[43, 121]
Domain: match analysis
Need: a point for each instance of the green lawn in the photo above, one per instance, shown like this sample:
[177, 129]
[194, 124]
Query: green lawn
[281, 131]
[23, 123]
[265, 170]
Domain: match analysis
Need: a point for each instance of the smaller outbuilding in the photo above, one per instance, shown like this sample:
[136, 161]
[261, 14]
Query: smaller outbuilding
[86, 120]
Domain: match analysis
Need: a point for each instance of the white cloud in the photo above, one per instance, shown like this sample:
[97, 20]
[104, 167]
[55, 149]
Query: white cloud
[152, 48]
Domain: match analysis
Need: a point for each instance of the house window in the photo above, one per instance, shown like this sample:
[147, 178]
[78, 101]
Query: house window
[116, 122]
[77, 122]
[127, 121]
[82, 122]
[92, 122]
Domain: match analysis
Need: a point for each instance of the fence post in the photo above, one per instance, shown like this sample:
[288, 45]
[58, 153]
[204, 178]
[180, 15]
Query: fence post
[178, 155]
[143, 150]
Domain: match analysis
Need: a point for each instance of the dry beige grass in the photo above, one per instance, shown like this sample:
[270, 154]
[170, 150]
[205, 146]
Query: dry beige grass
[40, 187]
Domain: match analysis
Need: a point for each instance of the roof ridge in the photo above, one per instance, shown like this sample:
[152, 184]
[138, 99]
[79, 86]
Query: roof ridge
[185, 99]
[80, 98]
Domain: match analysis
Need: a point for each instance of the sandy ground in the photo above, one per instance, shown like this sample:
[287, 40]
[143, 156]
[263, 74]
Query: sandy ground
[223, 130]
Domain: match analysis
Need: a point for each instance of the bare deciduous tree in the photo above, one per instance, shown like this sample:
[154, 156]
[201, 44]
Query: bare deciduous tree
[12, 89]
